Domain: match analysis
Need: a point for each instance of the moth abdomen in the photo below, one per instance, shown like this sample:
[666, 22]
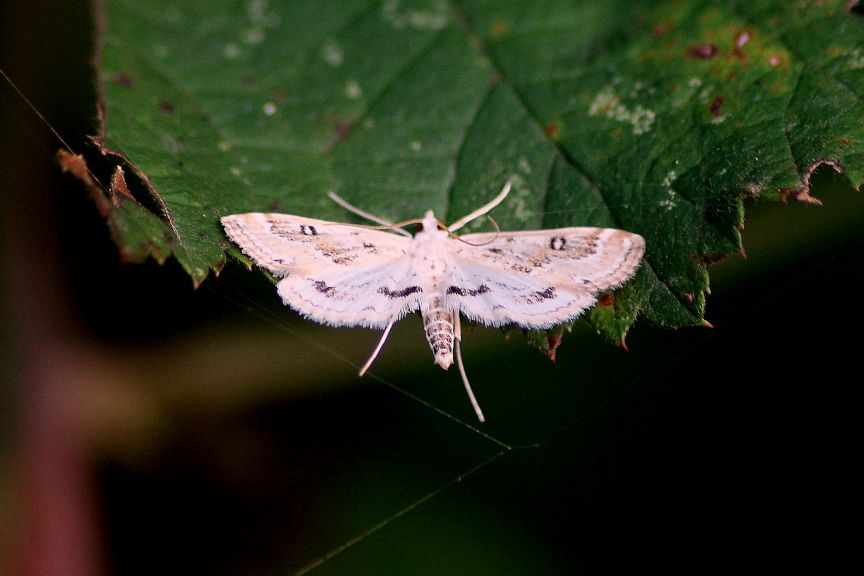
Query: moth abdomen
[438, 324]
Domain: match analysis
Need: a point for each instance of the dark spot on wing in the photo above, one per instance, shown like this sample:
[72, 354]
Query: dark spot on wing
[323, 288]
[557, 243]
[308, 230]
[546, 294]
[495, 250]
[482, 289]
[368, 245]
[399, 293]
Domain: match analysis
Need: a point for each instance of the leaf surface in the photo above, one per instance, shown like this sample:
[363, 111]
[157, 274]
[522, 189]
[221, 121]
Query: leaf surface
[657, 117]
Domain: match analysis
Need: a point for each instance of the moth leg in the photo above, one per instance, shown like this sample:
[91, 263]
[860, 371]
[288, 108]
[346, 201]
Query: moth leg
[482, 210]
[377, 349]
[363, 214]
[458, 337]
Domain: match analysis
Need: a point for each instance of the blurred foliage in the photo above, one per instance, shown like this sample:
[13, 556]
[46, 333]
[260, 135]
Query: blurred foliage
[219, 445]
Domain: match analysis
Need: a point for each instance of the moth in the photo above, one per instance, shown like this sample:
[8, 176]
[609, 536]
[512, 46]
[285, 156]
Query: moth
[343, 274]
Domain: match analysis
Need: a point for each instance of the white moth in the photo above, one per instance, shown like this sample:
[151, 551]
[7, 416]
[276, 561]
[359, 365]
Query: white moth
[348, 275]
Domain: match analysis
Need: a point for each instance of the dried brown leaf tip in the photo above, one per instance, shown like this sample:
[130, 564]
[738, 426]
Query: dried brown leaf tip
[119, 187]
[553, 340]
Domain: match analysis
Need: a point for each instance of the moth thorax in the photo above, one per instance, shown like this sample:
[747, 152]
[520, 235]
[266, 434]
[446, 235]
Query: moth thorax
[438, 323]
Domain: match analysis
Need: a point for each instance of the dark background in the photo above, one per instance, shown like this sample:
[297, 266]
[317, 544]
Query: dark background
[148, 427]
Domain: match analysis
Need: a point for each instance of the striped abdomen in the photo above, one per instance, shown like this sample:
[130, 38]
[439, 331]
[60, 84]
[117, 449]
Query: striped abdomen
[438, 323]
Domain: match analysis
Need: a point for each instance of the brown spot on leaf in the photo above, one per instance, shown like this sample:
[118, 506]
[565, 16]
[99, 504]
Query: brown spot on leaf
[167, 106]
[499, 28]
[552, 129]
[342, 128]
[716, 105]
[606, 299]
[124, 80]
[662, 28]
[740, 40]
[703, 51]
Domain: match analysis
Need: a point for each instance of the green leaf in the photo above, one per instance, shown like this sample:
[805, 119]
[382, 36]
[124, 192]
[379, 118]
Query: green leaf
[656, 117]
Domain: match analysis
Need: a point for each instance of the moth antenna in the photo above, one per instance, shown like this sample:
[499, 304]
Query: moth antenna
[483, 209]
[376, 351]
[363, 214]
[457, 237]
[458, 337]
[395, 227]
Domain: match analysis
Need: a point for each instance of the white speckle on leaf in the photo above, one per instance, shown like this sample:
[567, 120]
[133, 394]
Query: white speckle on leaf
[416, 145]
[369, 123]
[224, 146]
[332, 53]
[236, 171]
[856, 59]
[269, 108]
[170, 144]
[524, 166]
[607, 103]
[670, 201]
[253, 35]
[255, 9]
[685, 94]
[257, 12]
[353, 91]
[161, 51]
[519, 202]
[433, 17]
[718, 119]
[671, 176]
[231, 51]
